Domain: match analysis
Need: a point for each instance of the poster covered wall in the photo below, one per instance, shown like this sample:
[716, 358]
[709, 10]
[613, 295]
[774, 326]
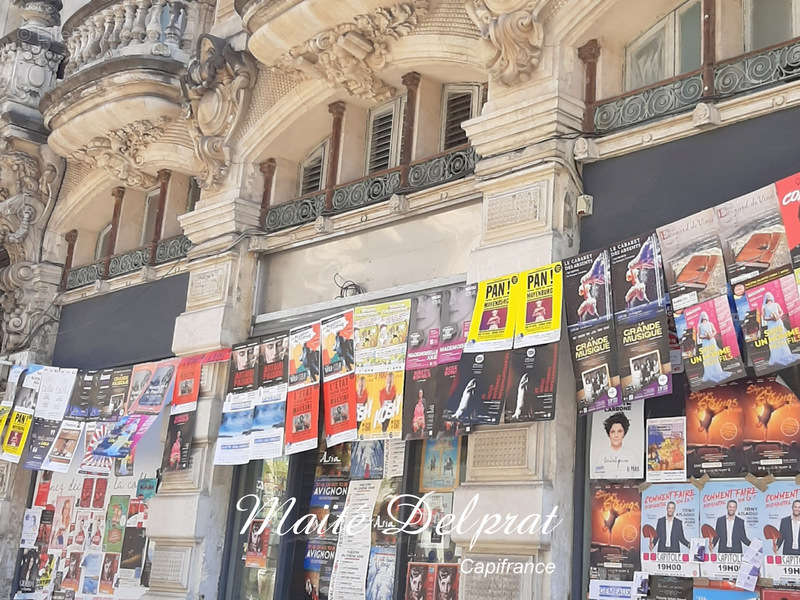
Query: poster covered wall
[615, 524]
[617, 442]
[302, 402]
[669, 523]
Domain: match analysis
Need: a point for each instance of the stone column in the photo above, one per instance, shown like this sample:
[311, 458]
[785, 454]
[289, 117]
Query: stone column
[188, 516]
[337, 112]
[411, 83]
[163, 181]
[267, 169]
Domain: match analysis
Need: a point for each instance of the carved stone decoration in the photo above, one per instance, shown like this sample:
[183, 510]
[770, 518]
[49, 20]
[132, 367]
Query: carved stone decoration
[513, 35]
[120, 153]
[216, 89]
[40, 13]
[349, 55]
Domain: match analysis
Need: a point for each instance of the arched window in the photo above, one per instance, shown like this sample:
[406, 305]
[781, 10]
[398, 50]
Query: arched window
[101, 248]
[670, 47]
[312, 170]
[384, 136]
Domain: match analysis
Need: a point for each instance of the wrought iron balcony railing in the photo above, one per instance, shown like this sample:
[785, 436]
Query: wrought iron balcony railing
[738, 75]
[167, 250]
[372, 189]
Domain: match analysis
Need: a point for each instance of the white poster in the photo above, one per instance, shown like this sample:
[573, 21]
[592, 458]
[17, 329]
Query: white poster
[64, 447]
[55, 389]
[352, 552]
[30, 527]
[233, 439]
[394, 456]
[617, 442]
[269, 415]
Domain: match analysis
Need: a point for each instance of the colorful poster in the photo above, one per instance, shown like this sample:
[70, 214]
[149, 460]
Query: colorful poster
[669, 523]
[728, 594]
[641, 323]
[233, 437]
[709, 346]
[115, 523]
[481, 390]
[419, 404]
[769, 313]
[420, 579]
[788, 196]
[178, 445]
[187, 384]
[158, 391]
[666, 449]
[729, 520]
[257, 545]
[62, 519]
[42, 435]
[492, 325]
[458, 303]
[380, 573]
[692, 257]
[108, 575]
[446, 382]
[383, 417]
[28, 570]
[90, 565]
[19, 425]
[269, 413]
[538, 308]
[64, 446]
[328, 498]
[780, 525]
[366, 459]
[590, 327]
[752, 234]
[338, 379]
[432, 542]
[244, 368]
[617, 442]
[441, 461]
[72, 572]
[715, 432]
[318, 565]
[334, 461]
[302, 402]
[424, 331]
[100, 394]
[616, 519]
[531, 390]
[771, 427]
[132, 556]
[122, 437]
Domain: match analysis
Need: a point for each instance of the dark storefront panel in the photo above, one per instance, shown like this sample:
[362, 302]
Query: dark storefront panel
[650, 188]
[129, 326]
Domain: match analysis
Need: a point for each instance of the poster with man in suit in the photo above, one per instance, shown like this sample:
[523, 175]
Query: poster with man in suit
[780, 526]
[669, 523]
[729, 519]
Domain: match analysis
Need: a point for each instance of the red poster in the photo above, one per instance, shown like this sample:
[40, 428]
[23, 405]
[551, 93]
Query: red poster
[187, 385]
[302, 402]
[43, 489]
[339, 389]
[99, 499]
[715, 431]
[257, 545]
[616, 520]
[86, 492]
[788, 191]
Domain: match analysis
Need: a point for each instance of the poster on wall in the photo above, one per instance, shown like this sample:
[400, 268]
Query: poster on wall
[709, 346]
[420, 578]
[19, 425]
[380, 572]
[158, 391]
[617, 442]
[788, 200]
[269, 413]
[771, 425]
[257, 545]
[715, 432]
[590, 328]
[640, 315]
[122, 437]
[768, 308]
[338, 379]
[480, 391]
[318, 566]
[492, 325]
[55, 390]
[424, 330]
[42, 435]
[616, 519]
[538, 307]
[62, 451]
[302, 402]
[244, 367]
[669, 523]
[531, 391]
[729, 521]
[367, 459]
[441, 462]
[419, 404]
[666, 449]
[187, 384]
[780, 525]
[458, 303]
[178, 445]
[233, 437]
[752, 234]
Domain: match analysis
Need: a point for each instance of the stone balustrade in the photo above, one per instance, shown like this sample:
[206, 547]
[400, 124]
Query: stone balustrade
[106, 29]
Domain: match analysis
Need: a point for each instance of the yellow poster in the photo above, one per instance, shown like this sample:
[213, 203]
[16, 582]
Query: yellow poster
[492, 326]
[4, 412]
[537, 311]
[383, 405]
[14, 440]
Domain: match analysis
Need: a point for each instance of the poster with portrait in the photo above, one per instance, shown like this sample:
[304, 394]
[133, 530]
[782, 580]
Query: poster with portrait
[729, 521]
[538, 308]
[458, 303]
[419, 403]
[380, 573]
[255, 556]
[187, 384]
[441, 462]
[244, 367]
[28, 570]
[709, 346]
[531, 389]
[338, 379]
[616, 521]
[420, 578]
[383, 418]
[178, 445]
[108, 574]
[692, 256]
[666, 449]
[114, 531]
[768, 308]
[669, 522]
[617, 442]
[366, 459]
[42, 435]
[159, 390]
[715, 432]
[233, 437]
[141, 375]
[19, 426]
[318, 565]
[590, 329]
[779, 527]
[479, 395]
[302, 401]
[771, 427]
[493, 318]
[752, 234]
[62, 519]
[269, 412]
[424, 331]
[431, 543]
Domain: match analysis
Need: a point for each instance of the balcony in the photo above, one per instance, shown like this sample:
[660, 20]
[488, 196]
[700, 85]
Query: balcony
[124, 59]
[430, 172]
[742, 74]
[167, 250]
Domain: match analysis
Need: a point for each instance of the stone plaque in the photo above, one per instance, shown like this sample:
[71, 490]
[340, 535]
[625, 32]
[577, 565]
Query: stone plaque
[170, 566]
[499, 586]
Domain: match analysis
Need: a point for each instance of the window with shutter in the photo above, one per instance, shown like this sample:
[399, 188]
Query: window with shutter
[312, 170]
[149, 222]
[383, 132]
[460, 103]
[101, 249]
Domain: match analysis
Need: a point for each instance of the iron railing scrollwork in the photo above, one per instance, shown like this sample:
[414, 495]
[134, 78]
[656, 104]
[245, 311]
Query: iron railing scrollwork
[752, 71]
[172, 249]
[85, 275]
[450, 166]
[297, 212]
[366, 191]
